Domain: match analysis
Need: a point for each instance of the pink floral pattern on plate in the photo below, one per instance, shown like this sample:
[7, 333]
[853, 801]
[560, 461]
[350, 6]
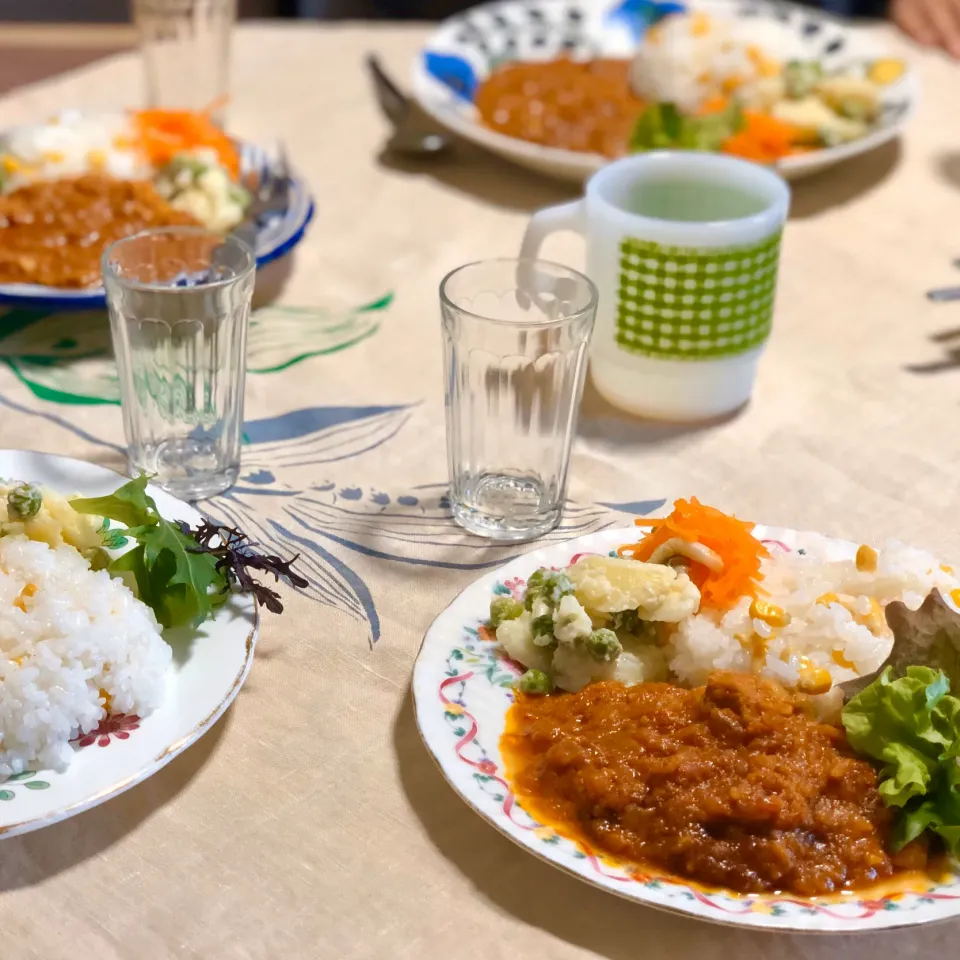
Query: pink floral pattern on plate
[119, 725]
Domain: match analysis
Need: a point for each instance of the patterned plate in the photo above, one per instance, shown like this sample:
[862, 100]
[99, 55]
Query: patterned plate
[462, 687]
[208, 671]
[276, 236]
[466, 48]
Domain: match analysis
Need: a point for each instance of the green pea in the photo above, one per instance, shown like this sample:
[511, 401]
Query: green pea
[603, 644]
[24, 501]
[626, 620]
[534, 682]
[504, 608]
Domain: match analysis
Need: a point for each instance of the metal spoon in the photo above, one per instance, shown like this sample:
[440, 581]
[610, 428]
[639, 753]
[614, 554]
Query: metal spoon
[414, 132]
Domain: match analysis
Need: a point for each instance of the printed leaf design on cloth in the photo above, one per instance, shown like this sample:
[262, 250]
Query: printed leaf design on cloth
[68, 359]
[281, 337]
[62, 358]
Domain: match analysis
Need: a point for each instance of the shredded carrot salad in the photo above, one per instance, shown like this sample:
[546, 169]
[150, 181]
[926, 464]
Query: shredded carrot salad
[762, 139]
[730, 538]
[165, 133]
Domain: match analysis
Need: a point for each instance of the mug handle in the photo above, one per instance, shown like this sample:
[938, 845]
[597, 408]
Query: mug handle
[564, 216]
[532, 285]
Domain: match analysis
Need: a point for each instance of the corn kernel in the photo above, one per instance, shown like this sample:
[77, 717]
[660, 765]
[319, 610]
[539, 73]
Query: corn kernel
[97, 159]
[28, 591]
[866, 559]
[699, 25]
[841, 661]
[732, 84]
[814, 680]
[769, 613]
[884, 72]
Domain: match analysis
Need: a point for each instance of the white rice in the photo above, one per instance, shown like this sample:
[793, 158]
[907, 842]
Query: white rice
[82, 635]
[69, 145]
[690, 58]
[846, 637]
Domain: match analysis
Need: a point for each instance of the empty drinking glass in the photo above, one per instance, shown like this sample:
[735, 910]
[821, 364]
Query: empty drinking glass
[516, 334]
[186, 52]
[179, 303]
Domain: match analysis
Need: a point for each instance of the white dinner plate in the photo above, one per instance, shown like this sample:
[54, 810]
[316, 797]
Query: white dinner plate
[208, 669]
[465, 49]
[463, 688]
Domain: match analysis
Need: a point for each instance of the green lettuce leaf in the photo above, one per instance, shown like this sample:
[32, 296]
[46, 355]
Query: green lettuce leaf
[912, 726]
[181, 578]
[177, 580]
[662, 126]
[130, 504]
[939, 813]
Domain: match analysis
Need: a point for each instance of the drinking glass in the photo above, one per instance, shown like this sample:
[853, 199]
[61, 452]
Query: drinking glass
[179, 304]
[186, 52]
[515, 335]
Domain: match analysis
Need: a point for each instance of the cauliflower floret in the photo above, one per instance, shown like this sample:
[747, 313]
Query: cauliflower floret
[571, 621]
[516, 638]
[817, 122]
[195, 202]
[614, 584]
[540, 608]
[574, 668]
[853, 97]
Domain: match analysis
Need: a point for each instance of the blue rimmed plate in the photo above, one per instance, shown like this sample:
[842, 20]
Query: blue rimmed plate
[276, 236]
[466, 48]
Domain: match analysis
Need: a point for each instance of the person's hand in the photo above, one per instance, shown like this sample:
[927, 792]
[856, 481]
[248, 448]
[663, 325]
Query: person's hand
[934, 23]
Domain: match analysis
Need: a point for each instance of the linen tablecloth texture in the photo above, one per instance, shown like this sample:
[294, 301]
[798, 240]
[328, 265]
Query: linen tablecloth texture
[311, 822]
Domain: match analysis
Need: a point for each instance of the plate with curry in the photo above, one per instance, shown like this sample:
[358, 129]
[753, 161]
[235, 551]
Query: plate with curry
[75, 183]
[750, 725]
[564, 86]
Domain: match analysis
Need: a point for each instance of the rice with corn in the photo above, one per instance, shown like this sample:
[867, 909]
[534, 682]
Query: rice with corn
[815, 622]
[689, 59]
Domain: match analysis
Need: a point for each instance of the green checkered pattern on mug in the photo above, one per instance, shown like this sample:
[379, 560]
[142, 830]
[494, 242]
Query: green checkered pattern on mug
[684, 303]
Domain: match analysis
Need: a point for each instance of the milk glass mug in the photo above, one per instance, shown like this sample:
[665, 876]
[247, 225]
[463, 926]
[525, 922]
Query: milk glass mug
[684, 249]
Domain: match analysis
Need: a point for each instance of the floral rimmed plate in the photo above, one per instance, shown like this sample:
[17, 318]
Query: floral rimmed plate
[209, 667]
[466, 48]
[462, 688]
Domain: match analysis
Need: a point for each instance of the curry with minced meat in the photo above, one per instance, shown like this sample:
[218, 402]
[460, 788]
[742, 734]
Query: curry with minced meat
[54, 232]
[732, 785]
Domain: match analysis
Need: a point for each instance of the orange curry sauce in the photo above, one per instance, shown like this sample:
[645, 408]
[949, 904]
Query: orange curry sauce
[588, 107]
[732, 785]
